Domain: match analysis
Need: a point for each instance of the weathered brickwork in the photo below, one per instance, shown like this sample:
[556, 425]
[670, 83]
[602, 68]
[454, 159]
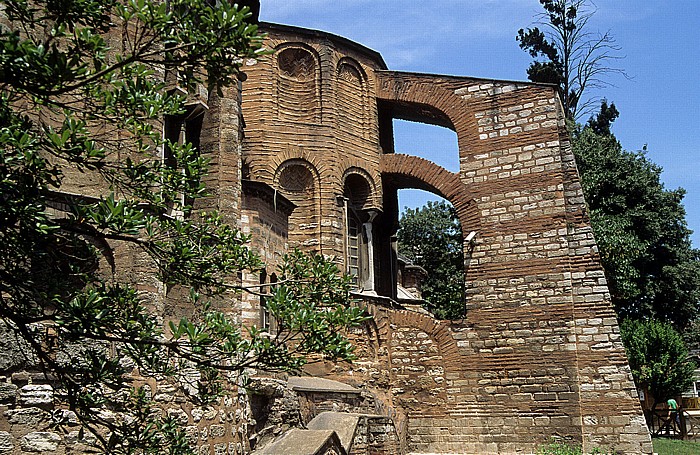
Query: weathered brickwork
[539, 352]
[375, 435]
[264, 217]
[302, 155]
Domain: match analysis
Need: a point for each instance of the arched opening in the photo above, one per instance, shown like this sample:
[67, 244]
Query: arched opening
[430, 260]
[432, 142]
[359, 234]
[430, 204]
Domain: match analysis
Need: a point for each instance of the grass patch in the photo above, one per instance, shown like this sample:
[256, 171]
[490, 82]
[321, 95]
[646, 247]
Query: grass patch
[665, 446]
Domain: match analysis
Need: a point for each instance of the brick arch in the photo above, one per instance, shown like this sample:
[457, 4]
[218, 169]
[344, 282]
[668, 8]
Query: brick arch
[313, 170]
[407, 171]
[297, 68]
[437, 330]
[355, 64]
[373, 200]
[425, 90]
[267, 170]
[305, 219]
[352, 96]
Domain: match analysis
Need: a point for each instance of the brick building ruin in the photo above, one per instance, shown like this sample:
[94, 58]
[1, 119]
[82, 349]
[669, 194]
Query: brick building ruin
[303, 156]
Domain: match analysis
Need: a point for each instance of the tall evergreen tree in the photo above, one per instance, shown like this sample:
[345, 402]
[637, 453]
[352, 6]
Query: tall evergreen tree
[569, 54]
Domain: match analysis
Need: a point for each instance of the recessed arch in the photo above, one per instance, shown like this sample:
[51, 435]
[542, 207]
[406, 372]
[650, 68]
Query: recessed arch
[352, 97]
[298, 180]
[298, 82]
[292, 167]
[362, 188]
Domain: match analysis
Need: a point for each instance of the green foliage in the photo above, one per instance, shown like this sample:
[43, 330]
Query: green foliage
[658, 358]
[641, 232]
[568, 54]
[559, 448]
[83, 93]
[431, 237]
[601, 122]
[664, 446]
[691, 335]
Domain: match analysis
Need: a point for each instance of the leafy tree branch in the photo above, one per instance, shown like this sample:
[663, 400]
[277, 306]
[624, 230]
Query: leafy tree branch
[85, 88]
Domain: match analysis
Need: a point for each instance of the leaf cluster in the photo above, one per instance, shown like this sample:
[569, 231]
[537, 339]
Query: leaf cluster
[85, 86]
[658, 358]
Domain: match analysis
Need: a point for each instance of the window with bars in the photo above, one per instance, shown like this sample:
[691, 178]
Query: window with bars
[354, 257]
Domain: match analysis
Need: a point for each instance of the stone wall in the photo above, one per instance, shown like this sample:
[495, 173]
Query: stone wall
[375, 436]
[30, 410]
[539, 352]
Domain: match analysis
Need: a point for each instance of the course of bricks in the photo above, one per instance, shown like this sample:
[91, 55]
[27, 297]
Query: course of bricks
[539, 352]
[309, 132]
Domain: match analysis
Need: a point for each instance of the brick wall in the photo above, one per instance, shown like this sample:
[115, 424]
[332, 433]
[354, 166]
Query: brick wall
[539, 351]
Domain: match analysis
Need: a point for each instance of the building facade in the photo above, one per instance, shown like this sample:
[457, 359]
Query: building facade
[539, 351]
[302, 156]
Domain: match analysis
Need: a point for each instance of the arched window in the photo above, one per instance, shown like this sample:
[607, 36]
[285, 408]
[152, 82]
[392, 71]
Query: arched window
[359, 236]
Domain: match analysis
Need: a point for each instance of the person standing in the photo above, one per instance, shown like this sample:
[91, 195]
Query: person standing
[673, 413]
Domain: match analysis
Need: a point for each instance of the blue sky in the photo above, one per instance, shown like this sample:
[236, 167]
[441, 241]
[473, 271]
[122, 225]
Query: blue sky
[659, 104]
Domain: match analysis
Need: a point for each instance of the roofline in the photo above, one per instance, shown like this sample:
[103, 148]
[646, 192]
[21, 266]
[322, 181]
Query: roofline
[380, 60]
[472, 78]
[264, 26]
[269, 194]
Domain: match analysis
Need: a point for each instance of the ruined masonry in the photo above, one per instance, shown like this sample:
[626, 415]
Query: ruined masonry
[539, 352]
[303, 156]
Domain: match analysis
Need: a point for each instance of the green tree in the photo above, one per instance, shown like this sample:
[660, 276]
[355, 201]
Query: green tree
[640, 228]
[569, 54]
[602, 122]
[658, 358]
[639, 225]
[431, 237]
[83, 91]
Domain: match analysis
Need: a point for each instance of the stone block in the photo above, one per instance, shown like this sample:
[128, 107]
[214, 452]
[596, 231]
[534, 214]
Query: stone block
[26, 416]
[38, 395]
[6, 442]
[8, 393]
[40, 442]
